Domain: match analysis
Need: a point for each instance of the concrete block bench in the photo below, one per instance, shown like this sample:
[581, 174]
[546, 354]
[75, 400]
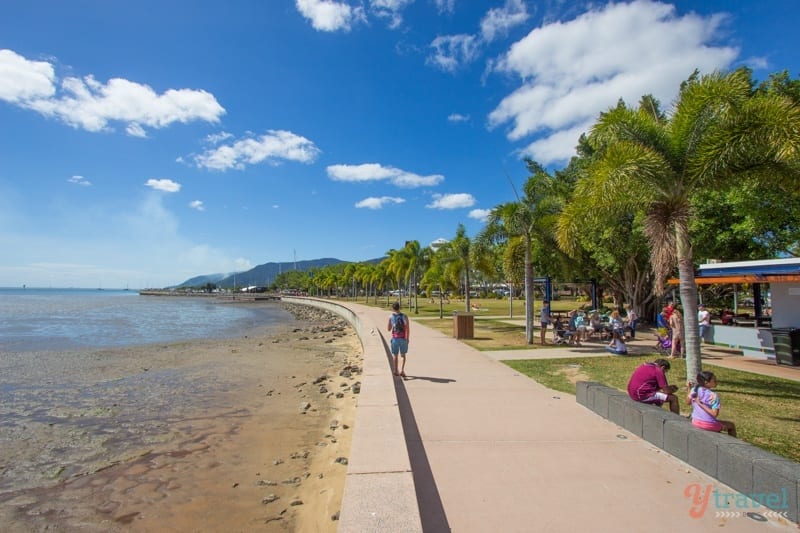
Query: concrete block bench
[764, 477]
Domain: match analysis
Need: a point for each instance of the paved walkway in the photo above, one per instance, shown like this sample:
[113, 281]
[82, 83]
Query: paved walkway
[493, 450]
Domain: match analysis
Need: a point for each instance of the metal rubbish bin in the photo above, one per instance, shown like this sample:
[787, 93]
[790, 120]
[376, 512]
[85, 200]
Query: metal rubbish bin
[463, 325]
[787, 345]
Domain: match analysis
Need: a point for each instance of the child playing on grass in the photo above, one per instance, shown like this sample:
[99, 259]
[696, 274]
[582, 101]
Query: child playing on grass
[706, 404]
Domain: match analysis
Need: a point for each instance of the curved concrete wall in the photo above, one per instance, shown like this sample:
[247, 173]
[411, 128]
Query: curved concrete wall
[379, 491]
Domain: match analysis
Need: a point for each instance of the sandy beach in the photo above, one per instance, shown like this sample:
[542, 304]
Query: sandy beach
[244, 434]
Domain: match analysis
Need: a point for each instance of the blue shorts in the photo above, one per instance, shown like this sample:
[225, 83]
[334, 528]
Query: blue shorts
[399, 346]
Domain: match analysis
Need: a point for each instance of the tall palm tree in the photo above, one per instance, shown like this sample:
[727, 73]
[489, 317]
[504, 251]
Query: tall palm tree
[457, 259]
[718, 130]
[525, 221]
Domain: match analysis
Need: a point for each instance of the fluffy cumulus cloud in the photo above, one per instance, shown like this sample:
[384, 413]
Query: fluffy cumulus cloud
[22, 80]
[273, 147]
[571, 71]
[481, 215]
[91, 105]
[376, 172]
[326, 15]
[452, 201]
[164, 185]
[378, 203]
[197, 205]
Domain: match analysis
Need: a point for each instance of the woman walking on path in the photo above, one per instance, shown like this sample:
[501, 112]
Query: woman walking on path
[676, 325]
[401, 330]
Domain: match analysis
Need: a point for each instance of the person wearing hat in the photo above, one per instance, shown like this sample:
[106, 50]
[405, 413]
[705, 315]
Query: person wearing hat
[703, 321]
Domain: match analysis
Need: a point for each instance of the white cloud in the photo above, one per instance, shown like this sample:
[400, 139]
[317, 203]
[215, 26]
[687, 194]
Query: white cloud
[326, 15]
[79, 180]
[91, 105]
[571, 71]
[135, 130]
[164, 185]
[22, 80]
[376, 172]
[390, 9]
[216, 138]
[498, 21]
[273, 147]
[197, 205]
[378, 203]
[451, 201]
[480, 214]
[452, 51]
[457, 117]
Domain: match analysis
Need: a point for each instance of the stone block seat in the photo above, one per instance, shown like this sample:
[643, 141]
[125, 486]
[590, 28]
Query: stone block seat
[764, 477]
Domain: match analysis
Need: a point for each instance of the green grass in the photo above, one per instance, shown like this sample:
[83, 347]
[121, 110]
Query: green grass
[766, 410]
[487, 306]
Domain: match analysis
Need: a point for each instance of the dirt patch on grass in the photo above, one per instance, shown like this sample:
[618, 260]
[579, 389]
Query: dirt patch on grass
[573, 373]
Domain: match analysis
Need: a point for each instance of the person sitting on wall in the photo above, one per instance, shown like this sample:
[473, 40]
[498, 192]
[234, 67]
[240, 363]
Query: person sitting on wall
[648, 384]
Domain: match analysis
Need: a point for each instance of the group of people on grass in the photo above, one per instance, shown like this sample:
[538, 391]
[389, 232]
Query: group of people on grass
[648, 384]
[579, 327]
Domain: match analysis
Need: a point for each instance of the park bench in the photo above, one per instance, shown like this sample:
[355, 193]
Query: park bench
[771, 480]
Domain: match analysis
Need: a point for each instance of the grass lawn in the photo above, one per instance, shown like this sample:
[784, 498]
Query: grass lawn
[766, 410]
[485, 306]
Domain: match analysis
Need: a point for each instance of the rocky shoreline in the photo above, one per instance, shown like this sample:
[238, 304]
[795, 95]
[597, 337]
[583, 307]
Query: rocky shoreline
[229, 434]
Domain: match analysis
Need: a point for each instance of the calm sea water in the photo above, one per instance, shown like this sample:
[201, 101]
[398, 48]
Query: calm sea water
[66, 319]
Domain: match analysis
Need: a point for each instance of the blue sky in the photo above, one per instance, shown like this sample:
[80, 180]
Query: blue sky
[143, 143]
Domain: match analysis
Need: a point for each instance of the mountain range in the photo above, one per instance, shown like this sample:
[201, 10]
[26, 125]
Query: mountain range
[261, 275]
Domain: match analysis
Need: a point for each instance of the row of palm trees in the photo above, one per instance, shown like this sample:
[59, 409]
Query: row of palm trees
[637, 172]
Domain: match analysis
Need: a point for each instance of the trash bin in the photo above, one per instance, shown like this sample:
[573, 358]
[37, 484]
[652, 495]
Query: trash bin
[787, 345]
[463, 325]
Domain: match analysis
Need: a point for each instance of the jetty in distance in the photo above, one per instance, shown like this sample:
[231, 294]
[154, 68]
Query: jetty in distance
[224, 296]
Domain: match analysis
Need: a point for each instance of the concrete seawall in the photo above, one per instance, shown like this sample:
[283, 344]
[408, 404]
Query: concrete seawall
[379, 493]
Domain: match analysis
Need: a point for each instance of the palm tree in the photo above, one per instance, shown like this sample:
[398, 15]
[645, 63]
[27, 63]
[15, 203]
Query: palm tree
[719, 129]
[525, 221]
[457, 259]
[435, 276]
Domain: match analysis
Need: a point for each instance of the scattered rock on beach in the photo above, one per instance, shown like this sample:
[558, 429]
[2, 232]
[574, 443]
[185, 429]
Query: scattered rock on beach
[269, 499]
[341, 460]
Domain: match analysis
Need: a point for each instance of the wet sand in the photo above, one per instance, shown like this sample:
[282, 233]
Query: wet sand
[216, 435]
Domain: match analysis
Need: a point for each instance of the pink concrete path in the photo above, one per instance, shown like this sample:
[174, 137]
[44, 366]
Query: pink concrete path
[492, 450]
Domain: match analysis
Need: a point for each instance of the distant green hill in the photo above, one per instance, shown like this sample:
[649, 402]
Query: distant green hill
[262, 275]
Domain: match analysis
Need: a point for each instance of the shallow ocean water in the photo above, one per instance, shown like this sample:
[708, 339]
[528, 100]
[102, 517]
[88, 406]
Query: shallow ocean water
[67, 319]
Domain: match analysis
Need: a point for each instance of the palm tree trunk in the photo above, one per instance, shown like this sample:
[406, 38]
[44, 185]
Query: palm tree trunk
[688, 290]
[466, 289]
[528, 293]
